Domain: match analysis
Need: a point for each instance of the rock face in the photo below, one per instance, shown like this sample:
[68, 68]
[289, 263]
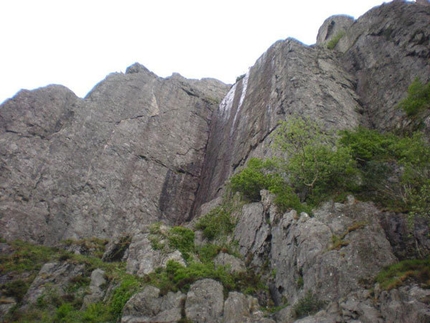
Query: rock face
[386, 49]
[141, 149]
[276, 87]
[150, 306]
[205, 301]
[332, 253]
[127, 155]
[333, 27]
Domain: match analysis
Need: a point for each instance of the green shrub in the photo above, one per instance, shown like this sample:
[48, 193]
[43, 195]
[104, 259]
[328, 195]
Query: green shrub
[251, 180]
[216, 223]
[127, 288]
[335, 39]
[182, 239]
[177, 277]
[395, 170]
[366, 144]
[418, 98]
[308, 305]
[317, 169]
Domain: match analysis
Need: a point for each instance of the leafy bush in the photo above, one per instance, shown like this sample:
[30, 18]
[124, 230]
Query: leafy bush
[16, 288]
[418, 98]
[128, 287]
[216, 223]
[395, 170]
[251, 180]
[316, 167]
[182, 239]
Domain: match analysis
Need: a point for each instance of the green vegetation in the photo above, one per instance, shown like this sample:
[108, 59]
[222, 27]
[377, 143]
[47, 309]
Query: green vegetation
[418, 98]
[317, 168]
[218, 222]
[178, 277]
[259, 175]
[333, 42]
[182, 239]
[391, 170]
[26, 260]
[395, 170]
[170, 239]
[417, 270]
[308, 305]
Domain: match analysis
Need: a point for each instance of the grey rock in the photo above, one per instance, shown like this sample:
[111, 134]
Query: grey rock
[408, 241]
[97, 288]
[385, 50]
[117, 249]
[6, 305]
[276, 87]
[304, 258]
[143, 259]
[332, 26]
[150, 306]
[406, 304]
[244, 309]
[234, 264]
[285, 315]
[205, 301]
[127, 155]
[53, 278]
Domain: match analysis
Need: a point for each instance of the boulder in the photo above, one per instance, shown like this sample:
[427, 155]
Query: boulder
[233, 264]
[97, 288]
[143, 259]
[205, 301]
[150, 306]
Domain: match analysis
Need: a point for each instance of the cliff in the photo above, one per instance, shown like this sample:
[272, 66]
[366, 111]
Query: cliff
[121, 183]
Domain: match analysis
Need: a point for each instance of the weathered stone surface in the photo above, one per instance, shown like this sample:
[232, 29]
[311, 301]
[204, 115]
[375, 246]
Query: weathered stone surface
[306, 257]
[407, 304]
[97, 288]
[332, 27]
[143, 259]
[252, 233]
[244, 309]
[128, 154]
[408, 241]
[276, 87]
[54, 278]
[149, 306]
[386, 49]
[117, 249]
[6, 305]
[234, 264]
[205, 301]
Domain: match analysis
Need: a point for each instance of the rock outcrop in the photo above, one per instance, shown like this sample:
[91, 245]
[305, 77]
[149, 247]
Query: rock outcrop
[129, 154]
[386, 49]
[141, 149]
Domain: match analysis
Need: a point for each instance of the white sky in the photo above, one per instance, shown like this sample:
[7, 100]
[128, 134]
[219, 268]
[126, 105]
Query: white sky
[76, 43]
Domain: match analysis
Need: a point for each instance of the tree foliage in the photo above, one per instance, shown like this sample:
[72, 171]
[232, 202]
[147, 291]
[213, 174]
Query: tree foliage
[418, 98]
[318, 164]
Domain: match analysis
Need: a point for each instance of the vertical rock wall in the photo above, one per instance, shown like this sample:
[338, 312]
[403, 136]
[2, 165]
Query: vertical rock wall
[289, 79]
[127, 155]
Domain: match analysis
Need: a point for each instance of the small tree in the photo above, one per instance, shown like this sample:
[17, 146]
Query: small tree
[418, 98]
[315, 166]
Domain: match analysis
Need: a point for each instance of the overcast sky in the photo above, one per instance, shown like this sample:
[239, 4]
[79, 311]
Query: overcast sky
[76, 43]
